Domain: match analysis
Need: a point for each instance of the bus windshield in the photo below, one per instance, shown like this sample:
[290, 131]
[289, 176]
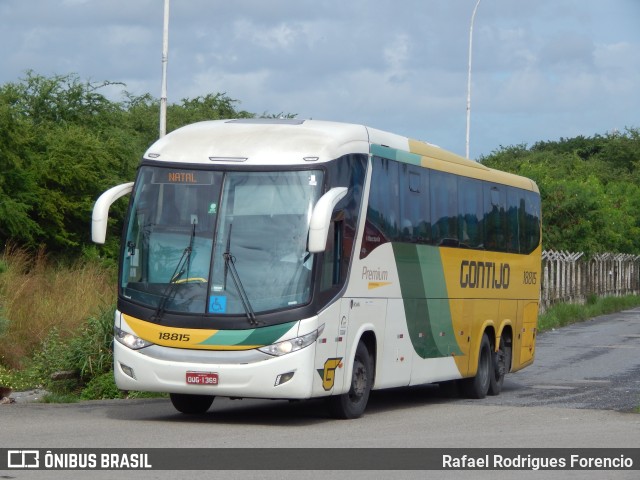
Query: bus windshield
[220, 243]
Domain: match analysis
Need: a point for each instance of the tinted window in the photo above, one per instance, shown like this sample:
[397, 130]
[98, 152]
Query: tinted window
[382, 224]
[414, 204]
[444, 208]
[411, 204]
[348, 171]
[470, 214]
[531, 222]
[495, 218]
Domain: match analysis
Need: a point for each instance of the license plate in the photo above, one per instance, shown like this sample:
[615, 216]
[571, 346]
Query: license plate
[202, 378]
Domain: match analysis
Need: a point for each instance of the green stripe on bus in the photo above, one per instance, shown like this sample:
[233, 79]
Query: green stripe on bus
[269, 335]
[394, 154]
[425, 299]
[256, 336]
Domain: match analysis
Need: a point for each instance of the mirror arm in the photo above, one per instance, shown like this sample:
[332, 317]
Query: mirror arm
[101, 210]
[321, 218]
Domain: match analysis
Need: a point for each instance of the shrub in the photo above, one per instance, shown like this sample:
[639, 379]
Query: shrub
[38, 296]
[91, 351]
[101, 387]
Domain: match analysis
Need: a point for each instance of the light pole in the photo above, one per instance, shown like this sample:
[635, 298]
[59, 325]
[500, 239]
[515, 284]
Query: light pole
[165, 60]
[473, 17]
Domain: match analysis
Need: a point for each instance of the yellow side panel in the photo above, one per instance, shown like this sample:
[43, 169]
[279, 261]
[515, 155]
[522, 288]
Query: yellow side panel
[528, 335]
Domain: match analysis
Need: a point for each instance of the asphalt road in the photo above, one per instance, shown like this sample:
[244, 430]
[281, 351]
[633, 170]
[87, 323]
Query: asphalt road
[579, 393]
[593, 364]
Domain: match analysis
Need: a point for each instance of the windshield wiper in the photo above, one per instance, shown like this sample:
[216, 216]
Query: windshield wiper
[183, 266]
[230, 266]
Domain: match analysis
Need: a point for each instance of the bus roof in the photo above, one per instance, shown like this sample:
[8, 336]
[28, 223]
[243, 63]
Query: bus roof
[296, 142]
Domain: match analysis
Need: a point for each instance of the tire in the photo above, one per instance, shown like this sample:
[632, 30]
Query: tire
[191, 404]
[499, 368]
[478, 386]
[353, 404]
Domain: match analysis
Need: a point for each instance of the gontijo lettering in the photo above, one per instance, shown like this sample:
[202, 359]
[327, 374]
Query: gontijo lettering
[484, 275]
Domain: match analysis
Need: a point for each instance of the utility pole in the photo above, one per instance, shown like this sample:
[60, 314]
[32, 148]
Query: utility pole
[165, 60]
[473, 17]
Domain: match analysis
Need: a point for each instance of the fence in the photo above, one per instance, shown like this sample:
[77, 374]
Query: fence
[571, 277]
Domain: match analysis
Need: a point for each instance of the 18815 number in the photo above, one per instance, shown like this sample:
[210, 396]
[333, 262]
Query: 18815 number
[174, 337]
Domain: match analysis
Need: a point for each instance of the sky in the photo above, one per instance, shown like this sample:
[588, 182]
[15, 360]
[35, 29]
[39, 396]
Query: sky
[541, 69]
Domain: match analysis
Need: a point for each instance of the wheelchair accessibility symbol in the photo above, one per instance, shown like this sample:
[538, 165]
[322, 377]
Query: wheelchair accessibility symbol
[217, 304]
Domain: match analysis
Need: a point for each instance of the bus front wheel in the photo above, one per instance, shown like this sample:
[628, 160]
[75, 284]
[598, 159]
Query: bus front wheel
[352, 404]
[478, 386]
[191, 404]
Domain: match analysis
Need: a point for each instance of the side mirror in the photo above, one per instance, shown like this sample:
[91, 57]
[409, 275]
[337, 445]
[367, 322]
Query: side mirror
[101, 210]
[321, 218]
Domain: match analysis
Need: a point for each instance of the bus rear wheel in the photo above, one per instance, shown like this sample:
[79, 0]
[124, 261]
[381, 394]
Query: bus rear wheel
[191, 404]
[353, 404]
[500, 362]
[478, 386]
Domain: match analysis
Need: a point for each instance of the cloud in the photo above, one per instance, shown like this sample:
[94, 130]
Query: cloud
[540, 69]
[568, 52]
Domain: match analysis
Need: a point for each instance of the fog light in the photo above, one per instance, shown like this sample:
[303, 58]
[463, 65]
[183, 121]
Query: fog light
[283, 378]
[127, 370]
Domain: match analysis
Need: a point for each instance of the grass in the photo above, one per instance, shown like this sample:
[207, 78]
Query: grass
[16, 380]
[564, 314]
[54, 317]
[37, 295]
[57, 317]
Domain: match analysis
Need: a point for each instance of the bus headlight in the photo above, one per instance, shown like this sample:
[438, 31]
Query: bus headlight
[130, 340]
[293, 344]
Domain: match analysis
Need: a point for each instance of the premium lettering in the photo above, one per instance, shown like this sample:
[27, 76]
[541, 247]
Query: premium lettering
[379, 275]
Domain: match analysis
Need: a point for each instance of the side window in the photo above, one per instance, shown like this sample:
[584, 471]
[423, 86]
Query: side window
[383, 224]
[515, 220]
[414, 204]
[411, 204]
[495, 200]
[531, 222]
[444, 209]
[470, 213]
[331, 260]
[348, 171]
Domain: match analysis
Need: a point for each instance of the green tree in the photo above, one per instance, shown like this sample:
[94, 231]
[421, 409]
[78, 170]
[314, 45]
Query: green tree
[208, 107]
[57, 152]
[589, 189]
[62, 143]
[18, 188]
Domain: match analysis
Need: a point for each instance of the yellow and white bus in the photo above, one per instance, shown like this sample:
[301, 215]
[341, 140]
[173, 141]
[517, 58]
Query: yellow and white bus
[297, 259]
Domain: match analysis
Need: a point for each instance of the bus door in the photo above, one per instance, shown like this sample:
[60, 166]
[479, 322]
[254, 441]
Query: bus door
[527, 332]
[394, 368]
[355, 313]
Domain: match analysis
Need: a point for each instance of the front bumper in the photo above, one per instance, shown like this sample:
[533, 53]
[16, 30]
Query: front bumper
[250, 380]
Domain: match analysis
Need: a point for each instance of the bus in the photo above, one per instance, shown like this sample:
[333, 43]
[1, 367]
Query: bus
[298, 259]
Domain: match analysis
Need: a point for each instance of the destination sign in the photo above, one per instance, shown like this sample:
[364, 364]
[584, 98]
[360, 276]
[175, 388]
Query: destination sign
[188, 177]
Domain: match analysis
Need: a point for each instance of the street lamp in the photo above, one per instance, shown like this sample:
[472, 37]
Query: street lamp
[473, 17]
[165, 60]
